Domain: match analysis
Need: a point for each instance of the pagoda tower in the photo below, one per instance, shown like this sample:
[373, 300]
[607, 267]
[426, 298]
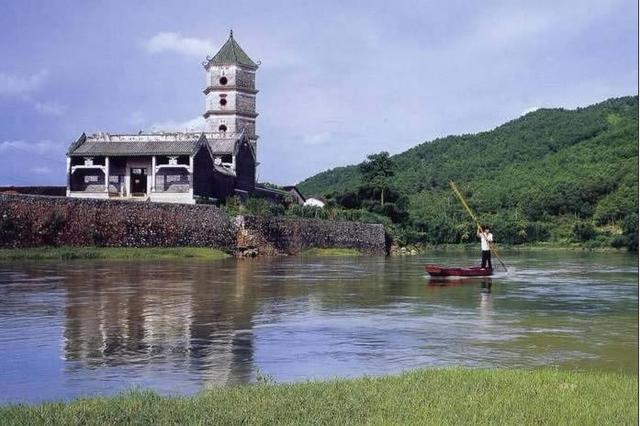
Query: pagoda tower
[231, 92]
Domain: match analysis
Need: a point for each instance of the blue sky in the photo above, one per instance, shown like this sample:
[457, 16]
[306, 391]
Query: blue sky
[338, 80]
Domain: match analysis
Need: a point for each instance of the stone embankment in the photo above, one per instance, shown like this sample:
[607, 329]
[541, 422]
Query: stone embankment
[36, 221]
[58, 191]
[289, 235]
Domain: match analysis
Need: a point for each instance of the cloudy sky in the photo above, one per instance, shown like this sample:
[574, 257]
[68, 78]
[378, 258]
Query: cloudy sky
[338, 80]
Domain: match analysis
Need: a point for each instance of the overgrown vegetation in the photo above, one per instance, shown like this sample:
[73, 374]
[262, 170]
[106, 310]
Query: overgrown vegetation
[262, 207]
[330, 252]
[553, 175]
[450, 396]
[67, 253]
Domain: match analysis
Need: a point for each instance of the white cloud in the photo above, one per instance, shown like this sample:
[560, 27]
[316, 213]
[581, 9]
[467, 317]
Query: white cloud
[136, 118]
[50, 108]
[196, 124]
[176, 43]
[41, 170]
[15, 85]
[317, 138]
[40, 147]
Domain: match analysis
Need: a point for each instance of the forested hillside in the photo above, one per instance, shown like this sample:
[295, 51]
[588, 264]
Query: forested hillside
[550, 175]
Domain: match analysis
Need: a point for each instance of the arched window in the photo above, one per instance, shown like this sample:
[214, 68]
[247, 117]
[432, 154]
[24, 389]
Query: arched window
[223, 101]
[222, 128]
[223, 80]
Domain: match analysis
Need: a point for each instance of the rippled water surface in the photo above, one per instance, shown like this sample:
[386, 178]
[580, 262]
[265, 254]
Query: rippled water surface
[96, 327]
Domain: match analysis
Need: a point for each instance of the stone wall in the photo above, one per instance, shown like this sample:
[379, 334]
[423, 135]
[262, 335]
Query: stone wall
[245, 103]
[173, 180]
[33, 221]
[59, 191]
[287, 235]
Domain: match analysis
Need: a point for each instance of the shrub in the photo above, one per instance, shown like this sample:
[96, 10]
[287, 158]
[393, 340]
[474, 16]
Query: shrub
[630, 230]
[584, 231]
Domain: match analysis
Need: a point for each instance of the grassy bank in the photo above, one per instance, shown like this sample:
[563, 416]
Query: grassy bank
[539, 246]
[451, 396]
[330, 252]
[115, 253]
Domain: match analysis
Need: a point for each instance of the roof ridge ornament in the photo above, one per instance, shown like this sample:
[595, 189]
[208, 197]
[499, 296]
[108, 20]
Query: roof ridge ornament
[230, 54]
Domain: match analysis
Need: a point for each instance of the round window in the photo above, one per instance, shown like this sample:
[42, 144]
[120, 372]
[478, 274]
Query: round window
[222, 128]
[223, 101]
[223, 80]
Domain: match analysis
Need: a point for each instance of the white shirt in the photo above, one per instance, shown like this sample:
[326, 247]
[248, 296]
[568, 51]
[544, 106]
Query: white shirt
[485, 239]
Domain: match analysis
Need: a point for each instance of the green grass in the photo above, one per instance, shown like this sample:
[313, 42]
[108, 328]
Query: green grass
[450, 396]
[330, 252]
[115, 253]
[537, 246]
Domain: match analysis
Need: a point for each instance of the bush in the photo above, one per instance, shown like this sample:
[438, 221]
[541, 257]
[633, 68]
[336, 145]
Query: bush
[619, 242]
[630, 230]
[307, 211]
[253, 206]
[584, 231]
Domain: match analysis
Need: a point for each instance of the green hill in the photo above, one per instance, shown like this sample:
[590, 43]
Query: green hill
[552, 174]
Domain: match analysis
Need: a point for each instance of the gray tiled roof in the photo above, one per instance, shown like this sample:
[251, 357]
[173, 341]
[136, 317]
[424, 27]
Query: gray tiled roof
[222, 146]
[231, 54]
[182, 147]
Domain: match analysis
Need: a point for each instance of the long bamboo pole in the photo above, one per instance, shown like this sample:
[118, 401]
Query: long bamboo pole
[475, 219]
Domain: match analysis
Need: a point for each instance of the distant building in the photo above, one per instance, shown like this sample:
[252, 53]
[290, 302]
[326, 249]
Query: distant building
[179, 167]
[280, 195]
[314, 202]
[295, 194]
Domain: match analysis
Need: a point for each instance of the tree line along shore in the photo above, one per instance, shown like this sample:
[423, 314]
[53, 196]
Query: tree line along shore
[565, 177]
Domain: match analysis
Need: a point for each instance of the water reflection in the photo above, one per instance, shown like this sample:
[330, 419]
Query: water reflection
[185, 321]
[101, 327]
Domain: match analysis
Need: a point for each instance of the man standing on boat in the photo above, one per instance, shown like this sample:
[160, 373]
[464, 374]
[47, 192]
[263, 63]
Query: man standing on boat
[486, 238]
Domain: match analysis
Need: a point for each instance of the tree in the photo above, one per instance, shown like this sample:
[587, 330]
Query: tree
[377, 170]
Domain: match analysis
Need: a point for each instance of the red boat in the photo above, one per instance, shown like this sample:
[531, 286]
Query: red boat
[443, 271]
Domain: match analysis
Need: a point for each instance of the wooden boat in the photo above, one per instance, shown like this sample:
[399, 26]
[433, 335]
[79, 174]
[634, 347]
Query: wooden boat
[443, 271]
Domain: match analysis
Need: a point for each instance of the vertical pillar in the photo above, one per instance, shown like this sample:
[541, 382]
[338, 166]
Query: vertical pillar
[191, 176]
[106, 174]
[68, 176]
[127, 178]
[153, 173]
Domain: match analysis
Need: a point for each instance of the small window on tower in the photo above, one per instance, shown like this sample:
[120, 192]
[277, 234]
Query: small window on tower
[223, 101]
[222, 128]
[223, 80]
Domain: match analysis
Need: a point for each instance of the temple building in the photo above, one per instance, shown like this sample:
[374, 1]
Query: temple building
[181, 167]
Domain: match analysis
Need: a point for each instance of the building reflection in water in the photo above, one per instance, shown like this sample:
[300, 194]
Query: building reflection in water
[196, 317]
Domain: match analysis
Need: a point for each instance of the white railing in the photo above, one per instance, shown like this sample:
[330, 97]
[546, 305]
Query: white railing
[162, 136]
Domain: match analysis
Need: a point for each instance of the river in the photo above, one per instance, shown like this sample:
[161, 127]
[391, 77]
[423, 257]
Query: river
[75, 328]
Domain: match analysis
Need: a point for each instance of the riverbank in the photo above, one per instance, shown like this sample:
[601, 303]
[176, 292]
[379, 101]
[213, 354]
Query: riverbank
[449, 396]
[331, 252]
[111, 253]
[146, 253]
[474, 247]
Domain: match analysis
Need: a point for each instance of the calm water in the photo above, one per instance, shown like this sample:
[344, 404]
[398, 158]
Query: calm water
[92, 327]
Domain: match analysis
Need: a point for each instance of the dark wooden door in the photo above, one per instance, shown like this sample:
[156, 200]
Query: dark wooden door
[138, 181]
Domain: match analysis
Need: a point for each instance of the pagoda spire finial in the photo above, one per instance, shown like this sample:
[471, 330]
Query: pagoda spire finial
[231, 33]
